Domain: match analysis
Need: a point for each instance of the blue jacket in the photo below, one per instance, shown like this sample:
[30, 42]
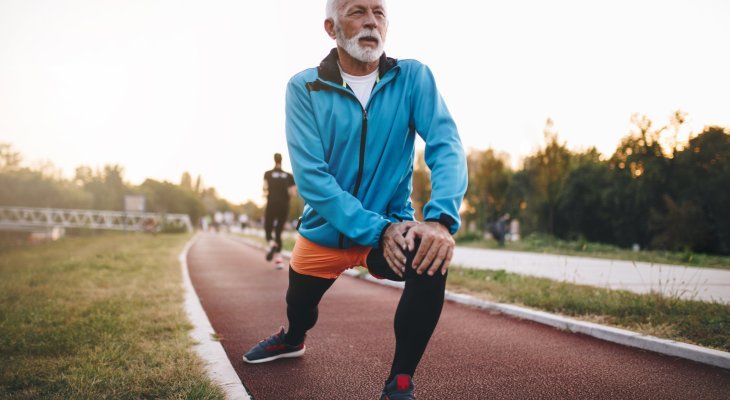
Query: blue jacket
[353, 165]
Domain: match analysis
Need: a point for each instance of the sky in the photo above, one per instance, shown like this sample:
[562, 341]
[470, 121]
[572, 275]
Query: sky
[166, 86]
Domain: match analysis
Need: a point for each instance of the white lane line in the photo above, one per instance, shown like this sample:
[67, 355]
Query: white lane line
[217, 365]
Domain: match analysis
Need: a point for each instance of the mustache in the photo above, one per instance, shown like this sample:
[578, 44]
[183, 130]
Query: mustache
[368, 33]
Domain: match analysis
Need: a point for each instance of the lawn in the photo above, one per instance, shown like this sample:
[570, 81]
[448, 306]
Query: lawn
[97, 317]
[702, 323]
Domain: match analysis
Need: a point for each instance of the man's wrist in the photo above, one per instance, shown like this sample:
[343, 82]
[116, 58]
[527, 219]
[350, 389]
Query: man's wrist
[382, 234]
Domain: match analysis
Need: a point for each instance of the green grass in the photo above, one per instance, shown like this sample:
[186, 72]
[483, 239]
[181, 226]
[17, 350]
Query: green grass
[97, 318]
[701, 323]
[538, 243]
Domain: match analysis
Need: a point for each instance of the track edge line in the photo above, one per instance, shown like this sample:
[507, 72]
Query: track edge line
[216, 362]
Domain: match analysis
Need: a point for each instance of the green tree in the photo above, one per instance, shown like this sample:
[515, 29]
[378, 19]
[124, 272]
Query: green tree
[421, 181]
[583, 203]
[701, 178]
[489, 181]
[548, 170]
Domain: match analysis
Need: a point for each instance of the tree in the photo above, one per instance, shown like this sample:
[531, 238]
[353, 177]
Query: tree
[702, 177]
[641, 172]
[186, 181]
[489, 181]
[548, 170]
[421, 182]
[10, 159]
[583, 204]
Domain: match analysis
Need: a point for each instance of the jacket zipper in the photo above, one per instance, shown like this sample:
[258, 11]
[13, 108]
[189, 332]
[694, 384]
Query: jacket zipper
[363, 137]
[361, 165]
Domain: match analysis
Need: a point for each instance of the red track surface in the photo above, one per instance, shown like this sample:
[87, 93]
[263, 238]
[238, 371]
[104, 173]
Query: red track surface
[472, 355]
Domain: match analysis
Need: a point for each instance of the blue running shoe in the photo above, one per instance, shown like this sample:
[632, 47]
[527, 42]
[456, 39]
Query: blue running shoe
[272, 348]
[400, 388]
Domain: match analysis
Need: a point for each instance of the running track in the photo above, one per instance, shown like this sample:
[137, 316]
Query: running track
[472, 355]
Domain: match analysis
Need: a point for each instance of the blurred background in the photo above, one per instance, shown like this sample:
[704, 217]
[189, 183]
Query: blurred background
[593, 122]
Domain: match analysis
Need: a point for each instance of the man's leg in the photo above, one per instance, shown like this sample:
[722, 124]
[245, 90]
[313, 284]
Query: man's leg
[302, 300]
[281, 214]
[417, 314]
[269, 217]
[268, 222]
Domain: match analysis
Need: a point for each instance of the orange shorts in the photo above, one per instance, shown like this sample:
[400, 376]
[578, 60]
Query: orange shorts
[309, 258]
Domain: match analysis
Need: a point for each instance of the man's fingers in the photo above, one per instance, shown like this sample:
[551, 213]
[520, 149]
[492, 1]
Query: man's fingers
[393, 266]
[400, 240]
[447, 261]
[411, 239]
[397, 253]
[438, 261]
[433, 250]
[422, 251]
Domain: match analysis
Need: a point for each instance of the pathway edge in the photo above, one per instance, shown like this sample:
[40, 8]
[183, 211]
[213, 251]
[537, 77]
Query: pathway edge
[216, 362]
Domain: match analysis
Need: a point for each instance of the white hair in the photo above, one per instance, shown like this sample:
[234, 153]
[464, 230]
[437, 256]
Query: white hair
[332, 10]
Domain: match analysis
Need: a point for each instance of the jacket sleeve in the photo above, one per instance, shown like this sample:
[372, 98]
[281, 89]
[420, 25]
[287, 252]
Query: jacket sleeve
[314, 181]
[444, 152]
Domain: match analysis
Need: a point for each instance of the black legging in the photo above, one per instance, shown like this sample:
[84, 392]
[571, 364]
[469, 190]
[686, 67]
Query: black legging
[275, 218]
[416, 317]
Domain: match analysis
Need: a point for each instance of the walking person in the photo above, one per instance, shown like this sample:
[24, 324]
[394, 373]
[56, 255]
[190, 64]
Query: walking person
[351, 124]
[278, 188]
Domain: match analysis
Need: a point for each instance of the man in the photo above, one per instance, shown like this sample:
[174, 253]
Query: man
[351, 125]
[278, 188]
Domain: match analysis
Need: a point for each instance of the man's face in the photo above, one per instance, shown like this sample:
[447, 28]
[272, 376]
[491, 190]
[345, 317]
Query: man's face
[361, 29]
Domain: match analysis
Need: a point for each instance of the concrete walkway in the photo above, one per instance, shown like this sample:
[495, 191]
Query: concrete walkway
[694, 283]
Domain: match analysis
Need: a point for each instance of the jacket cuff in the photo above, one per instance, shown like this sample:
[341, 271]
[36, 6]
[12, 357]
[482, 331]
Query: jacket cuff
[443, 219]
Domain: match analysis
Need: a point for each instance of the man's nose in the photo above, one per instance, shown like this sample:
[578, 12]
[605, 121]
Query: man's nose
[370, 20]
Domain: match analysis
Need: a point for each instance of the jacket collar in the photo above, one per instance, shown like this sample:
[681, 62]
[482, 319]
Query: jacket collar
[328, 69]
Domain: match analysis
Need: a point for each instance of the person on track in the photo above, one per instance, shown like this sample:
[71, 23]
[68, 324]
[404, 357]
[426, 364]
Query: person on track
[351, 125]
[279, 187]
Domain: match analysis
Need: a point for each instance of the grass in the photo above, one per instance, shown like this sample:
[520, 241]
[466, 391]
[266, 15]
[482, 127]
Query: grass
[701, 323]
[538, 243]
[97, 317]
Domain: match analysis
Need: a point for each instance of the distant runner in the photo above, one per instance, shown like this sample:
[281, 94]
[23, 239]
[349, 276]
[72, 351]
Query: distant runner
[279, 188]
[351, 125]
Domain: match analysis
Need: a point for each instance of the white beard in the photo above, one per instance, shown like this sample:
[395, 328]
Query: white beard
[353, 48]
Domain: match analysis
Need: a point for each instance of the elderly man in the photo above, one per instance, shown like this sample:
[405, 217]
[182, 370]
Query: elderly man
[351, 125]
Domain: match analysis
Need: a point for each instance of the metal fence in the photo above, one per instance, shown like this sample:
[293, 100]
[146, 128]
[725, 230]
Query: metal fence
[25, 218]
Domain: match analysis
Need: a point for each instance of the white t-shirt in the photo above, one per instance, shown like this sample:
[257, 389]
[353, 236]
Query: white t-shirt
[362, 86]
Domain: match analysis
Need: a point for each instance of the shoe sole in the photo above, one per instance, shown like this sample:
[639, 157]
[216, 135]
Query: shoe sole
[293, 354]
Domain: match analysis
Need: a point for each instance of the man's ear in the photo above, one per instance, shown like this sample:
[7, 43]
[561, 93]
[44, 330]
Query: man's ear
[329, 27]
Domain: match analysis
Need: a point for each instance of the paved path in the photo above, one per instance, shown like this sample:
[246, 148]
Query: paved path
[473, 354]
[687, 282]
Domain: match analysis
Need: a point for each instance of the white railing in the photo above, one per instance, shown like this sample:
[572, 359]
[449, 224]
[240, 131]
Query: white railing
[28, 218]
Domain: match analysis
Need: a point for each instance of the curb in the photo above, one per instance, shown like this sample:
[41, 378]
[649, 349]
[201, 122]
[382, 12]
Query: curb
[217, 365]
[624, 337]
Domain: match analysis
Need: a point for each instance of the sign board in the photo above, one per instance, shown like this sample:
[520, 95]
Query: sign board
[134, 203]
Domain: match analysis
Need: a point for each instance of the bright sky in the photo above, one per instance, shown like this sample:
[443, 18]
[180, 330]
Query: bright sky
[166, 86]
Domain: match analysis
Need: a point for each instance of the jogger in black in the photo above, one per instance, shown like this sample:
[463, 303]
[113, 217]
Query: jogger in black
[279, 187]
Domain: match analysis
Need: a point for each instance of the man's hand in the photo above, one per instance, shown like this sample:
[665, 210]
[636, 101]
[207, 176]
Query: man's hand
[394, 246]
[435, 250]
